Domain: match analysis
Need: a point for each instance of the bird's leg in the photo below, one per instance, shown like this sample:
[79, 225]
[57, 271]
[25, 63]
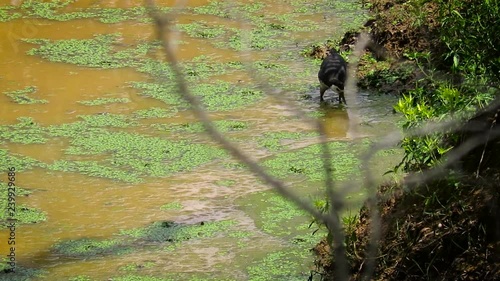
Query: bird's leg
[342, 97]
[322, 90]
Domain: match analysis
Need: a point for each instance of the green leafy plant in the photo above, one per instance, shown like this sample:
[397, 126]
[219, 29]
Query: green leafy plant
[443, 103]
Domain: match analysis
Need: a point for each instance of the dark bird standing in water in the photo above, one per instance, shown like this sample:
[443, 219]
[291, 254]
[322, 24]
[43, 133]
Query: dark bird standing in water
[332, 74]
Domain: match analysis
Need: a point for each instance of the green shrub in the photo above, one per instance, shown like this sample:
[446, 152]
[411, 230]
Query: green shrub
[470, 29]
[446, 102]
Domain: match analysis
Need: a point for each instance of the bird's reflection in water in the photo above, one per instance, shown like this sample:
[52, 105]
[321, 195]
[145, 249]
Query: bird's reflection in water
[335, 120]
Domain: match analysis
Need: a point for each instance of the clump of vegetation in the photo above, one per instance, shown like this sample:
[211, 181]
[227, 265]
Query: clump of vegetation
[26, 131]
[88, 247]
[22, 214]
[273, 141]
[103, 101]
[169, 231]
[97, 52]
[21, 96]
[172, 206]
[7, 13]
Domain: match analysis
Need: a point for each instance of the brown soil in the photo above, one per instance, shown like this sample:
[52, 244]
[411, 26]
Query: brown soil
[453, 236]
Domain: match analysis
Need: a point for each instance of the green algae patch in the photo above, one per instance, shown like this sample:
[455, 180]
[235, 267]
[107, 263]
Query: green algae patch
[21, 213]
[97, 52]
[90, 247]
[201, 29]
[73, 130]
[94, 169]
[274, 214]
[116, 15]
[145, 156]
[224, 126]
[291, 22]
[134, 277]
[225, 10]
[27, 131]
[104, 101]
[258, 39]
[282, 265]
[223, 96]
[52, 10]
[137, 266]
[23, 96]
[174, 232]
[108, 120]
[225, 182]
[20, 163]
[154, 112]
[21, 274]
[202, 67]
[166, 93]
[155, 68]
[306, 162]
[7, 13]
[273, 141]
[176, 206]
[216, 96]
[81, 278]
[26, 215]
[44, 9]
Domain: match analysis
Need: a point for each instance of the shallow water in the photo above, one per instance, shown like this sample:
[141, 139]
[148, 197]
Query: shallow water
[79, 204]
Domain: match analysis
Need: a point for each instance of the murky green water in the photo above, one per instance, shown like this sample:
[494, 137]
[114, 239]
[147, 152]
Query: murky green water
[122, 182]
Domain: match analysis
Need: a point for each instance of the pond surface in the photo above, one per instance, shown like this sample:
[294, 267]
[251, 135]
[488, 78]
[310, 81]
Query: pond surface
[116, 179]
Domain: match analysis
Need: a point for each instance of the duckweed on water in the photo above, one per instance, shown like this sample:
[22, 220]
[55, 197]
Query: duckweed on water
[227, 183]
[172, 206]
[307, 162]
[72, 130]
[23, 213]
[154, 112]
[201, 29]
[291, 23]
[223, 96]
[216, 8]
[7, 13]
[133, 277]
[155, 68]
[137, 266]
[164, 92]
[94, 169]
[52, 10]
[27, 131]
[21, 96]
[21, 163]
[103, 101]
[283, 265]
[273, 140]
[174, 232]
[216, 96]
[158, 232]
[203, 67]
[222, 125]
[274, 214]
[80, 278]
[47, 10]
[22, 273]
[90, 247]
[142, 155]
[96, 52]
[260, 38]
[108, 120]
[221, 9]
